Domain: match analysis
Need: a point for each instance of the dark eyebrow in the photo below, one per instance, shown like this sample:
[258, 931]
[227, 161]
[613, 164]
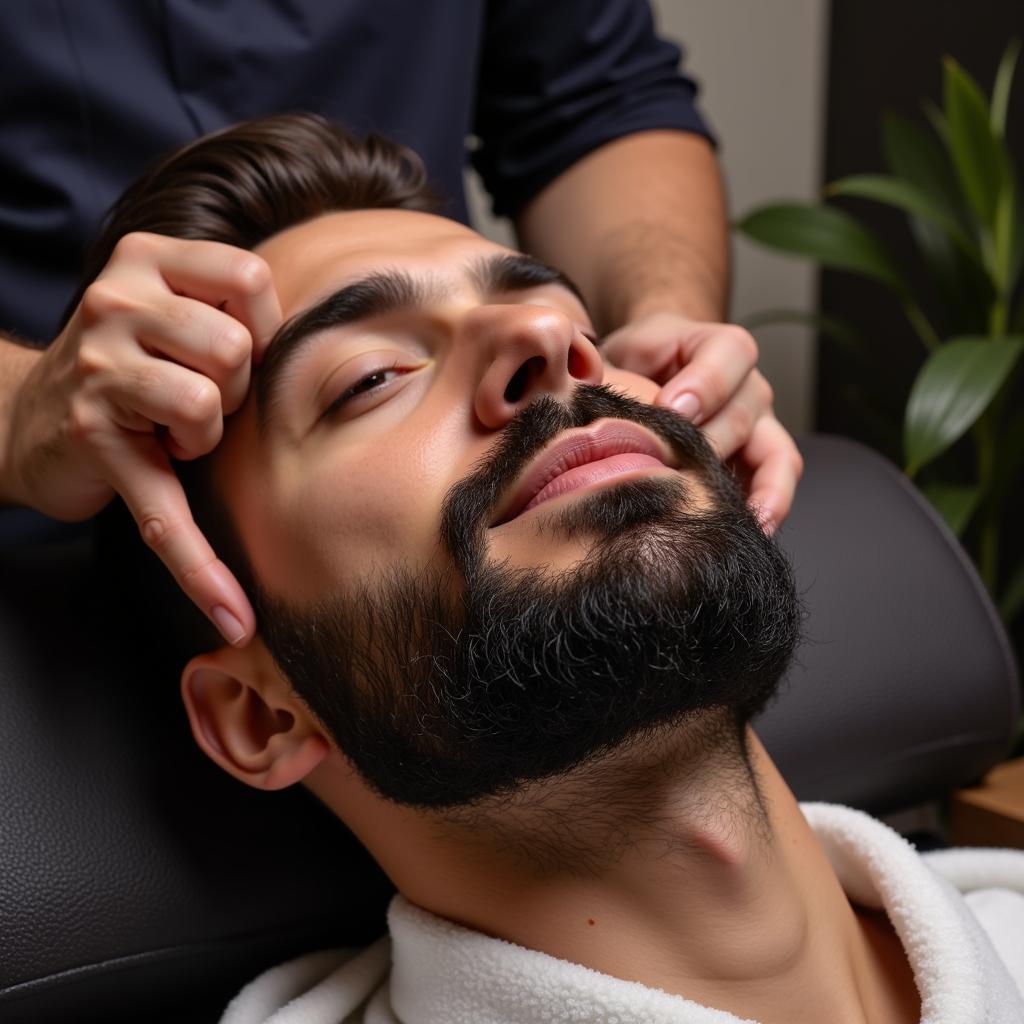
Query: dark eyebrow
[381, 293]
[388, 291]
[515, 272]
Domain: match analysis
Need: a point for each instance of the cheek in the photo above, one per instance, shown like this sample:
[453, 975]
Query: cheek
[642, 389]
[358, 510]
[361, 516]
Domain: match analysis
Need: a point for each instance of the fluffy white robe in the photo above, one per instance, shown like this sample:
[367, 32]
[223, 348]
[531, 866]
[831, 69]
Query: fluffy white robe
[959, 914]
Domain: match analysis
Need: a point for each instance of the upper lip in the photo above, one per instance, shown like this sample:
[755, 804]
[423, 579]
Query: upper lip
[574, 448]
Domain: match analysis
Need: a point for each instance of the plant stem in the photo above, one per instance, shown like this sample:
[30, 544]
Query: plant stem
[921, 325]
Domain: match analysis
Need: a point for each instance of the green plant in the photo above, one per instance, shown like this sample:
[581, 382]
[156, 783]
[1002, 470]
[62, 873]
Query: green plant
[956, 184]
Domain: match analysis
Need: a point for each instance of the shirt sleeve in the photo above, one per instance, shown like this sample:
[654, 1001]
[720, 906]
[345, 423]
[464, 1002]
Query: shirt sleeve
[557, 80]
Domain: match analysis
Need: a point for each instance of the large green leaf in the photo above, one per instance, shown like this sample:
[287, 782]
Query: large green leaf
[914, 153]
[906, 196]
[963, 288]
[954, 502]
[1002, 87]
[952, 389]
[976, 153]
[825, 234]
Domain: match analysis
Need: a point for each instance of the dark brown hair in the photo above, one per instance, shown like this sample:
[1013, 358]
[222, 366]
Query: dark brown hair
[240, 186]
[247, 182]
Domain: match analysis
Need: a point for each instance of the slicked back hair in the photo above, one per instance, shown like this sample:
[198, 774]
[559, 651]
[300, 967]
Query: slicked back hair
[245, 183]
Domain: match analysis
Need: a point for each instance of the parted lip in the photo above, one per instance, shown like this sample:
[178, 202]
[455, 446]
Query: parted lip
[598, 440]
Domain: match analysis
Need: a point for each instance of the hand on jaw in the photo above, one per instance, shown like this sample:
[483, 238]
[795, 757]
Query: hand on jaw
[708, 373]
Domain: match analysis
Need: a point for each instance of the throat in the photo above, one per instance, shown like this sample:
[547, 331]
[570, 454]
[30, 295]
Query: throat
[731, 904]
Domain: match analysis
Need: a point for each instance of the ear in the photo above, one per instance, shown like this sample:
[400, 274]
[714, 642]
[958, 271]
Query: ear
[245, 717]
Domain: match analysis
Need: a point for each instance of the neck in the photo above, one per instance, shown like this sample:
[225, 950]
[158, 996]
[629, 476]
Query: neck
[698, 876]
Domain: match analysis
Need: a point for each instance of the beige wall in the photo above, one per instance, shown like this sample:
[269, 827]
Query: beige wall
[761, 66]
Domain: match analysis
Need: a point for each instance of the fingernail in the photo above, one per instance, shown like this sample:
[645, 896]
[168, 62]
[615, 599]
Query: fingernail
[230, 627]
[687, 404]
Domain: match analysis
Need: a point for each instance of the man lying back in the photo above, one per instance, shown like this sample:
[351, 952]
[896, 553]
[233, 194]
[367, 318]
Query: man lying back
[513, 624]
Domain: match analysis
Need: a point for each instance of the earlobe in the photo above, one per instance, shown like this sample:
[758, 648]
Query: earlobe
[246, 723]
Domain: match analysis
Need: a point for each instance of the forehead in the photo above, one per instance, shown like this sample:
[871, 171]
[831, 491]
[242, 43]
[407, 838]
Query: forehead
[317, 255]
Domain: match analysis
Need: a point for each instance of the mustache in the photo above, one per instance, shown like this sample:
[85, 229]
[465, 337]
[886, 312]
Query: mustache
[470, 503]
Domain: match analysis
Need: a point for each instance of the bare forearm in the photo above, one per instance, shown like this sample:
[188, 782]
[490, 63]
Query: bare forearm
[16, 360]
[640, 225]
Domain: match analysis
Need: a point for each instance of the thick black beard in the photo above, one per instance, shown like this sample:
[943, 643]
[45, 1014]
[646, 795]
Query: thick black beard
[444, 689]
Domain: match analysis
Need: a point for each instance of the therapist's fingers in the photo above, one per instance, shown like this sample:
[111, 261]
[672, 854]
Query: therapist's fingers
[201, 338]
[142, 474]
[165, 394]
[776, 467]
[730, 429]
[233, 280]
[716, 362]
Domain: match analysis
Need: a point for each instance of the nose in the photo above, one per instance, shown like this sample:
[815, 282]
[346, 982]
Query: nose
[528, 351]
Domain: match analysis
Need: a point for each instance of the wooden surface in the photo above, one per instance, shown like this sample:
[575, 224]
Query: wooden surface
[991, 814]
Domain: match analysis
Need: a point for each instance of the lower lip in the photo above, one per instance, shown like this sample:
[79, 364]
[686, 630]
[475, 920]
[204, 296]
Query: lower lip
[593, 473]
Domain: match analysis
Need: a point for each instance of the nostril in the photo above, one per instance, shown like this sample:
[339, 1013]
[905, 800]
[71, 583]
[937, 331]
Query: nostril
[521, 378]
[576, 363]
[517, 385]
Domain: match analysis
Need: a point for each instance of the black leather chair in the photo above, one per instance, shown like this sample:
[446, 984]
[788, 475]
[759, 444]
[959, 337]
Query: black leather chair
[137, 882]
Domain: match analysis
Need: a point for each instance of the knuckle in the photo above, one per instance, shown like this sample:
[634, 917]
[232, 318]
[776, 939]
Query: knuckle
[714, 388]
[740, 421]
[158, 529]
[91, 360]
[767, 391]
[188, 576]
[251, 273]
[103, 299]
[134, 246]
[798, 463]
[199, 402]
[745, 344]
[232, 346]
[84, 422]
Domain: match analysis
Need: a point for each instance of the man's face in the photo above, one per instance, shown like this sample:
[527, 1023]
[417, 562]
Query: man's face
[335, 489]
[483, 557]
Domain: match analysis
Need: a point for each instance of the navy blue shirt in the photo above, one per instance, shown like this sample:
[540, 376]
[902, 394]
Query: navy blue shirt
[92, 92]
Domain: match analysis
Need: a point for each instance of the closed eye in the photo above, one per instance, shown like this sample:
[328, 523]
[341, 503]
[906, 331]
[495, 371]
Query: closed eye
[367, 385]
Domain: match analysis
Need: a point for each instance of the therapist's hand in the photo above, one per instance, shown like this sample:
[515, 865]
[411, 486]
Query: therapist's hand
[708, 372]
[158, 351]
